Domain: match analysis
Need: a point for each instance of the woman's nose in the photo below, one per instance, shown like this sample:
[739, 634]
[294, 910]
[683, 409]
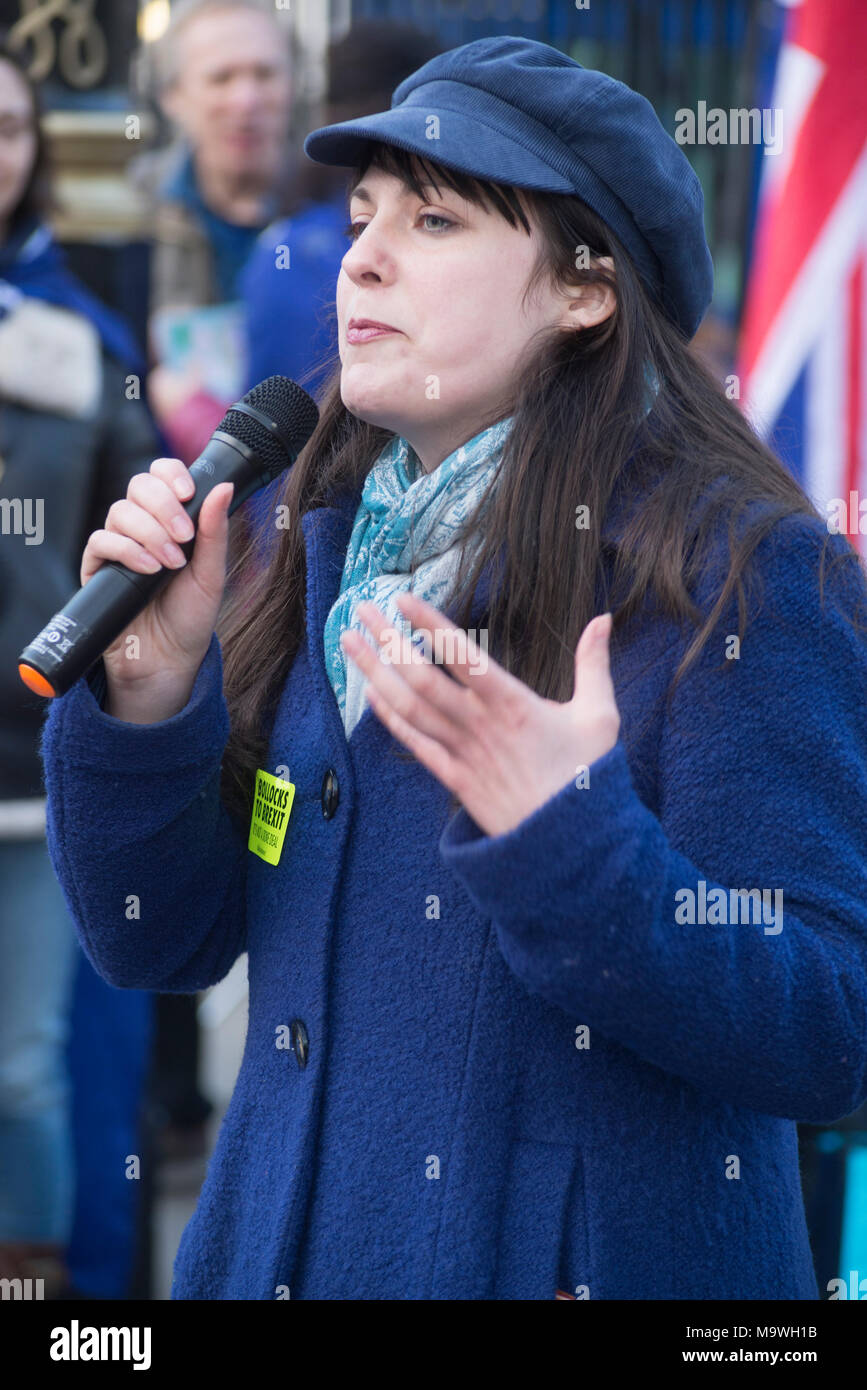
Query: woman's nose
[375, 250]
[368, 256]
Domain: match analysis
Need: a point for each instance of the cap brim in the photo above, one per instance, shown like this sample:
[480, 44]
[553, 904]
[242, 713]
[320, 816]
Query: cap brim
[479, 150]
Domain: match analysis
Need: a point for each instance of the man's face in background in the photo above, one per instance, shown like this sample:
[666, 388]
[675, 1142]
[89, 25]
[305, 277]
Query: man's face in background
[232, 91]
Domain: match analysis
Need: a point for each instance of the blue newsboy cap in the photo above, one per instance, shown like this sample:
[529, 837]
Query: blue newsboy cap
[515, 111]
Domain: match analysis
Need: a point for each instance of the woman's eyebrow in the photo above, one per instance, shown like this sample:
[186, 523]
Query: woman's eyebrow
[364, 195]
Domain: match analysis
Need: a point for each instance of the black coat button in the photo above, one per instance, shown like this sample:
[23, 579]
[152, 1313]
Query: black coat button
[300, 1041]
[330, 793]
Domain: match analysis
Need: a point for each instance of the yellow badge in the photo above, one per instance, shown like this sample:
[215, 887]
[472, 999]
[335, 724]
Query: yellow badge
[271, 806]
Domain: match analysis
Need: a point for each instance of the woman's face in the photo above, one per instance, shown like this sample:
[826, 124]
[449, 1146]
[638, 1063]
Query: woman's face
[449, 277]
[17, 139]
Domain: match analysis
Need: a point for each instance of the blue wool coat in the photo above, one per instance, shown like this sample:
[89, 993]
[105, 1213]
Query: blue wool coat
[518, 1070]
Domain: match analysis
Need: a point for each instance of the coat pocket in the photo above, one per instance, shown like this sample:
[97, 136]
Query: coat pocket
[542, 1236]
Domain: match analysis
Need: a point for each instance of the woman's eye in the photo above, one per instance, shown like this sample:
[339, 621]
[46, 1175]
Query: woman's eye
[354, 229]
[426, 216]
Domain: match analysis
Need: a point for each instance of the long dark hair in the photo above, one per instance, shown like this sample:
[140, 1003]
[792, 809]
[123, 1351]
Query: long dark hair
[579, 438]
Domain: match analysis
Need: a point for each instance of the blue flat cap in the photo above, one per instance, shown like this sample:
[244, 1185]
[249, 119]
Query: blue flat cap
[515, 111]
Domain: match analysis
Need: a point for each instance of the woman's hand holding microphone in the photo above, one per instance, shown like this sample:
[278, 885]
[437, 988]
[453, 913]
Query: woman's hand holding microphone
[175, 629]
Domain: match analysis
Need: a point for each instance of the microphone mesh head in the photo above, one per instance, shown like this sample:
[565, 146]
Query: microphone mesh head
[293, 414]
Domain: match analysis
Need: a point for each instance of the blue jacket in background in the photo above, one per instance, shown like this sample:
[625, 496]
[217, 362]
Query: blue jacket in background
[290, 316]
[453, 1132]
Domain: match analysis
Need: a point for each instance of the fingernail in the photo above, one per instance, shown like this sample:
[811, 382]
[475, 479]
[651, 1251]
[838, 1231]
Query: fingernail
[182, 528]
[173, 554]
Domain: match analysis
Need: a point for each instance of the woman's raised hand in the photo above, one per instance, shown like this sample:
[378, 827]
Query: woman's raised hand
[501, 748]
[151, 679]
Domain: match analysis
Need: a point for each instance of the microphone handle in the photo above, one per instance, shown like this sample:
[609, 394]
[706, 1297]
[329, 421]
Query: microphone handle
[75, 638]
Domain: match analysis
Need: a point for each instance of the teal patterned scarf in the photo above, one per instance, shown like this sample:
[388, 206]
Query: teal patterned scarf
[405, 515]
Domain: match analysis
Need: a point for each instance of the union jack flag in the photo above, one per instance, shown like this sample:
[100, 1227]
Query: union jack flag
[803, 349]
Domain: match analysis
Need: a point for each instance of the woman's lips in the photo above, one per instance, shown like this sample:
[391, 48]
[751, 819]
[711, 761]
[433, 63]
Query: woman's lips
[364, 335]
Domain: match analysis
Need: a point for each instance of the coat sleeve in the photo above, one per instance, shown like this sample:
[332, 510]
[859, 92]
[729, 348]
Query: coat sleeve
[152, 867]
[762, 785]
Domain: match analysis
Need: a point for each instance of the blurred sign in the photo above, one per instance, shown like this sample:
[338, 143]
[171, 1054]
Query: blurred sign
[206, 341]
[79, 45]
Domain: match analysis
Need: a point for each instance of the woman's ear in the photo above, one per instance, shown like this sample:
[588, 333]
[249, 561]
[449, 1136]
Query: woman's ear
[590, 304]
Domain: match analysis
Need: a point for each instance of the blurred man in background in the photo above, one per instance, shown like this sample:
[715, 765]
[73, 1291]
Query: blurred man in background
[222, 75]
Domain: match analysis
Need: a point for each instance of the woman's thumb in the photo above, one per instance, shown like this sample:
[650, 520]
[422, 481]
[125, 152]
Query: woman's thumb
[593, 684]
[212, 538]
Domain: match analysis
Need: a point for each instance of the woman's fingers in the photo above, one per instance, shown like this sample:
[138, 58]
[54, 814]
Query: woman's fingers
[110, 545]
[409, 718]
[135, 535]
[469, 664]
[456, 700]
[177, 475]
[160, 500]
[408, 693]
[128, 518]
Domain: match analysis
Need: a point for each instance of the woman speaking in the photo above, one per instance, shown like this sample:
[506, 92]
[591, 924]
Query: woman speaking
[528, 763]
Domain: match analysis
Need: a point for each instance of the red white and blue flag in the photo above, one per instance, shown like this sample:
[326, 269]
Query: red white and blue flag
[803, 348]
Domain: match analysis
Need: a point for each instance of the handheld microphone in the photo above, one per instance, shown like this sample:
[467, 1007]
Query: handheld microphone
[255, 441]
